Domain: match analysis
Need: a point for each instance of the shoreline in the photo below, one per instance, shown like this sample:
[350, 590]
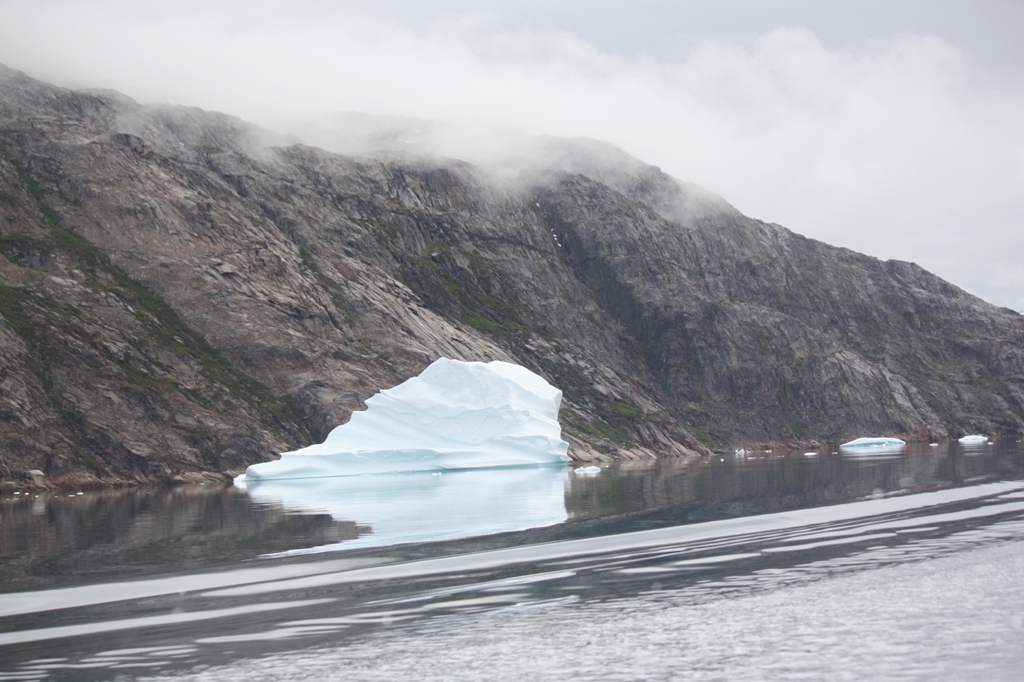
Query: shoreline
[37, 481]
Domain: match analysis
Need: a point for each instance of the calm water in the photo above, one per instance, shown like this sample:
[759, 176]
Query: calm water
[768, 566]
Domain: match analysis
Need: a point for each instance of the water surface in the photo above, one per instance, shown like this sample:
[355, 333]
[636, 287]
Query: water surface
[779, 565]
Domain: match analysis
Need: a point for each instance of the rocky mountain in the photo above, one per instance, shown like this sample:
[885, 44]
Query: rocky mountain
[181, 292]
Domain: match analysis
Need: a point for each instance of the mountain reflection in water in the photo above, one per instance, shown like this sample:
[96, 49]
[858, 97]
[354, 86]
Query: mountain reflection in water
[182, 581]
[76, 536]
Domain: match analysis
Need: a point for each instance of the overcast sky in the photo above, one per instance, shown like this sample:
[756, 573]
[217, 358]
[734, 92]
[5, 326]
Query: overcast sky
[892, 127]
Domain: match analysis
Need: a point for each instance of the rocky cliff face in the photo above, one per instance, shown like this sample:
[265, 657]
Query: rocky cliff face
[181, 291]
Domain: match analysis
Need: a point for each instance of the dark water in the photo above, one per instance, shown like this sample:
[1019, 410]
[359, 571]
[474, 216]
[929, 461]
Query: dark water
[771, 565]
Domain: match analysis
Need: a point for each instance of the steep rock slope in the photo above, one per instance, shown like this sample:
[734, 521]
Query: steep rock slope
[182, 291]
[774, 333]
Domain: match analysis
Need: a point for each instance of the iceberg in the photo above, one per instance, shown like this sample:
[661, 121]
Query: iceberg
[455, 415]
[871, 447]
[974, 439]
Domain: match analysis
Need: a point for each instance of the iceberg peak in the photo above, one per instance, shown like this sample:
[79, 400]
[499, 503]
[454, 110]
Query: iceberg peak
[454, 415]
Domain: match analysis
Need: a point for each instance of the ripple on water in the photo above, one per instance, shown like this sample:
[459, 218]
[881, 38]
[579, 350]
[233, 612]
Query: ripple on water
[956, 617]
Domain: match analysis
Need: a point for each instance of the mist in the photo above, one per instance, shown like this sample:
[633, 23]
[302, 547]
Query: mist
[904, 145]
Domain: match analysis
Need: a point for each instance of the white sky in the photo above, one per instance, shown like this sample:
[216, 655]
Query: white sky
[893, 128]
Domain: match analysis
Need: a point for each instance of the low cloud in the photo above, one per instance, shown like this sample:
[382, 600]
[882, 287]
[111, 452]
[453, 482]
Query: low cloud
[899, 149]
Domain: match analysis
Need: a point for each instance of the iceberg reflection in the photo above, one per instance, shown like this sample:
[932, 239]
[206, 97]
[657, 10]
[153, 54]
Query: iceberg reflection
[425, 506]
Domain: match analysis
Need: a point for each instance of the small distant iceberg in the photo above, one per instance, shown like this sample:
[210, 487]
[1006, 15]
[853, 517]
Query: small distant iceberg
[455, 415]
[873, 446]
[974, 440]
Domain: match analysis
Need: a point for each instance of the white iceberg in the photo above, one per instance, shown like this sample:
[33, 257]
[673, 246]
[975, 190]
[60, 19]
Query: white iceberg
[974, 440]
[455, 415]
[873, 447]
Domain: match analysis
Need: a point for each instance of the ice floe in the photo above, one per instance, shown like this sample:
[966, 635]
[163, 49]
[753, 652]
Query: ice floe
[873, 447]
[455, 415]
